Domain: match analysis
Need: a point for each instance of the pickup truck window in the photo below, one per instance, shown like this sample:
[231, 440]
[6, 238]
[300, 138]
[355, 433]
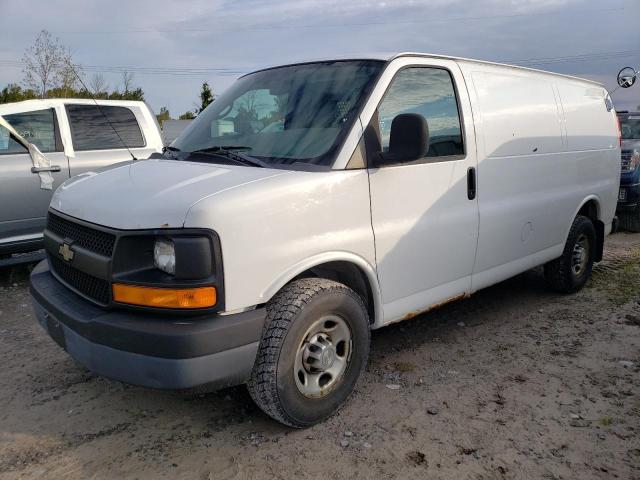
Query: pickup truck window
[37, 127]
[286, 115]
[8, 145]
[90, 129]
[430, 93]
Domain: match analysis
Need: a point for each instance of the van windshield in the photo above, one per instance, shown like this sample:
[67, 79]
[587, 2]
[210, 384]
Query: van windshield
[285, 115]
[630, 127]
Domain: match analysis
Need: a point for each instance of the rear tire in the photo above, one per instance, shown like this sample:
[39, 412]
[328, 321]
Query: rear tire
[312, 321]
[570, 272]
[630, 221]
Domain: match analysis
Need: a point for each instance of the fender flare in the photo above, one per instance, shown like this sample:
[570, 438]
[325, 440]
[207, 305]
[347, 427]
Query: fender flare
[326, 257]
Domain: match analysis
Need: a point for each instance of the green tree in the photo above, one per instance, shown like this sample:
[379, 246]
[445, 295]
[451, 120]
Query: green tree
[188, 115]
[206, 96]
[163, 115]
[15, 93]
[136, 94]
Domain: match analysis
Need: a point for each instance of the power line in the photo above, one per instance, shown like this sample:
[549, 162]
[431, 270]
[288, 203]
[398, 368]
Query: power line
[576, 58]
[144, 70]
[189, 71]
[218, 26]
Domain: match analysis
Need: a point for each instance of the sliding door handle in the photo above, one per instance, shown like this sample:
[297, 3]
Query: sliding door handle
[471, 183]
[52, 168]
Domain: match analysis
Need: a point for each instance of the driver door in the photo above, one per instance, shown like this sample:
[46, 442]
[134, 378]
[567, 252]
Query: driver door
[23, 204]
[424, 213]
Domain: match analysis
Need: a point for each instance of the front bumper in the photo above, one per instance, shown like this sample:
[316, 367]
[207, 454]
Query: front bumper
[148, 349]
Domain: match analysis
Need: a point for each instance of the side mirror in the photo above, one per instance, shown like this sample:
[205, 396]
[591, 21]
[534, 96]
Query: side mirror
[409, 139]
[627, 77]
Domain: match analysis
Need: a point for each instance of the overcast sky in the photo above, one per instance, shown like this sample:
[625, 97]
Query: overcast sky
[173, 46]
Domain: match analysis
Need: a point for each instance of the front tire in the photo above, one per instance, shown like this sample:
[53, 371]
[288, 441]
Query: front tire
[314, 346]
[570, 272]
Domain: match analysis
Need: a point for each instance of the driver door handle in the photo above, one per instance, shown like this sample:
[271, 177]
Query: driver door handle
[471, 183]
[52, 168]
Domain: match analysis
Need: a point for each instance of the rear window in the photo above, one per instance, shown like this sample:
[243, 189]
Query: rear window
[103, 128]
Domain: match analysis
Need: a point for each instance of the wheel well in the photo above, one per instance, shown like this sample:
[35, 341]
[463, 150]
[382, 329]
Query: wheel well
[591, 210]
[348, 274]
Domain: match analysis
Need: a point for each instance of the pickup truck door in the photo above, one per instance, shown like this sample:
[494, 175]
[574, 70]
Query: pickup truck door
[23, 204]
[424, 213]
[99, 135]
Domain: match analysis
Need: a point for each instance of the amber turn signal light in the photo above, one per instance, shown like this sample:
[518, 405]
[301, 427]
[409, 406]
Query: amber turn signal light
[200, 297]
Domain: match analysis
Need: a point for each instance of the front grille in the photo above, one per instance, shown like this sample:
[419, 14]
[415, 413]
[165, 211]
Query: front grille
[93, 287]
[95, 240]
[626, 160]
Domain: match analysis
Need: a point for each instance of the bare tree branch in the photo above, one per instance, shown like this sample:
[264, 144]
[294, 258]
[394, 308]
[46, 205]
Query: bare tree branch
[98, 84]
[42, 61]
[68, 73]
[127, 81]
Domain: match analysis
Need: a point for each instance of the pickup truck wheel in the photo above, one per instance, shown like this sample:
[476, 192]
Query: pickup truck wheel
[314, 345]
[570, 272]
[630, 221]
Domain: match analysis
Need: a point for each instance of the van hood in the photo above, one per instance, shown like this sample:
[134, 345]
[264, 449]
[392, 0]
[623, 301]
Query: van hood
[149, 193]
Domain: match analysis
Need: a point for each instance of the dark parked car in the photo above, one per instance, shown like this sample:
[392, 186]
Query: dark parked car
[629, 197]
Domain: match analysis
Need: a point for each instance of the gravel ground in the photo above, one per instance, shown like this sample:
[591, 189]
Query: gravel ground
[514, 382]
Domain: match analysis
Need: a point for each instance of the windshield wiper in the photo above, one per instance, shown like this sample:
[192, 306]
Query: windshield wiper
[232, 153]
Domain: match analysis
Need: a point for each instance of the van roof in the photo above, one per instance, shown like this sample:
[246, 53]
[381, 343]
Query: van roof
[387, 57]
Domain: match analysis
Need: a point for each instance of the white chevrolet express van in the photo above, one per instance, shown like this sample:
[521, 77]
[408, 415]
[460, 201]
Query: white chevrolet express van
[311, 203]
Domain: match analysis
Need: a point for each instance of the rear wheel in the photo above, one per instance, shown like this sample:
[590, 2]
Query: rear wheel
[570, 272]
[314, 345]
[630, 221]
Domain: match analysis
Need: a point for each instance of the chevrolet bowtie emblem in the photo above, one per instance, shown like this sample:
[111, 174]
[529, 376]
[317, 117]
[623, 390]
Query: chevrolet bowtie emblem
[66, 252]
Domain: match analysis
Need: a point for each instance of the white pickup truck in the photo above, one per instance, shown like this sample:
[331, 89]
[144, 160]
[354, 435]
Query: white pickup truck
[311, 203]
[76, 135]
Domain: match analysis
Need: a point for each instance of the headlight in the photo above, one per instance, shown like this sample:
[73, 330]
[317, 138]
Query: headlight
[164, 256]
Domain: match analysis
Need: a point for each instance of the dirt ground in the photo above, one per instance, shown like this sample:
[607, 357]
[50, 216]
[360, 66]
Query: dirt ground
[515, 382]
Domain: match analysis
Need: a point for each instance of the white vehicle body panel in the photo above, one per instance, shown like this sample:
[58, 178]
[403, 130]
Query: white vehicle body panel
[533, 176]
[149, 193]
[274, 229]
[425, 226]
[543, 145]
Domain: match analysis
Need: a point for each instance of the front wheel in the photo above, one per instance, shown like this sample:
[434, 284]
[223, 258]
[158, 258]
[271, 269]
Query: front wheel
[570, 272]
[314, 345]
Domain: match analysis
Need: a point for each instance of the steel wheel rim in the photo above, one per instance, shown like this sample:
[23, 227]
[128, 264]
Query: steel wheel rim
[580, 255]
[323, 356]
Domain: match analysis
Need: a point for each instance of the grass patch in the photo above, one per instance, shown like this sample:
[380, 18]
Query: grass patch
[606, 421]
[620, 285]
[404, 367]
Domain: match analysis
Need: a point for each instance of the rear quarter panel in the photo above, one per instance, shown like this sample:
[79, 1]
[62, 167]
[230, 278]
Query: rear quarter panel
[546, 145]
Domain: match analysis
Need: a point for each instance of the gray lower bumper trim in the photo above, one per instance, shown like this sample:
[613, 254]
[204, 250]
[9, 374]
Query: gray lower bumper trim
[218, 370]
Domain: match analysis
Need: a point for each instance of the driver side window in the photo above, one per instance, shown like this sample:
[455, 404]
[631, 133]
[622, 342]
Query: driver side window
[8, 144]
[428, 92]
